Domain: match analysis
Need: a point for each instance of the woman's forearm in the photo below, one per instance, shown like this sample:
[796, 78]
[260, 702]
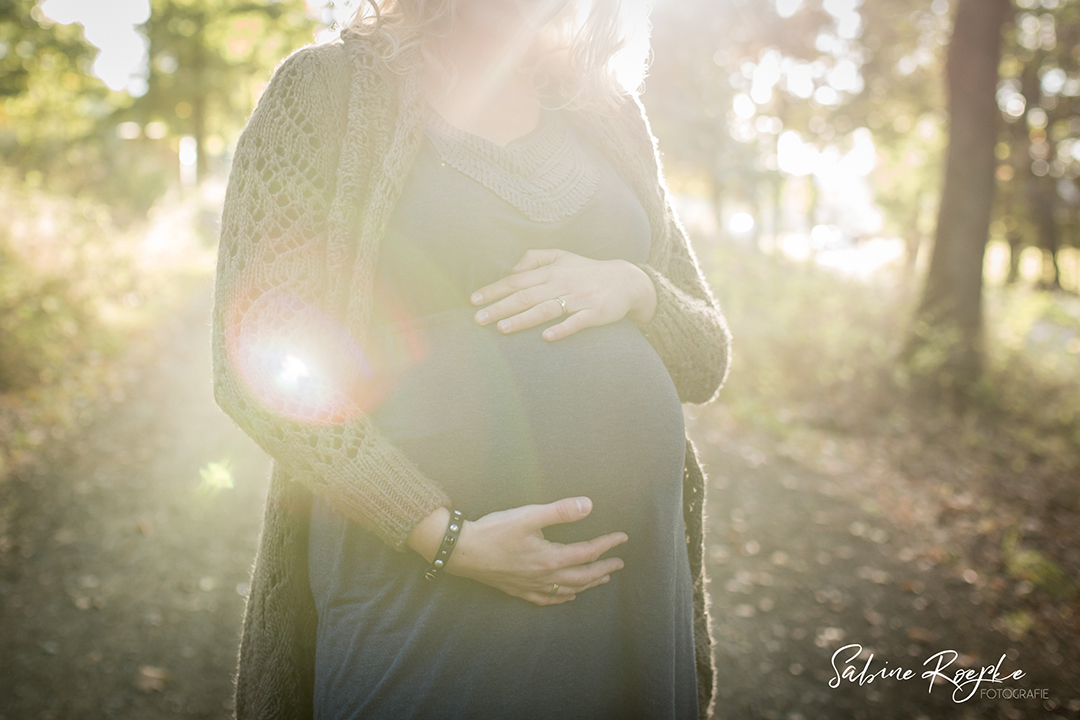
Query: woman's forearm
[506, 550]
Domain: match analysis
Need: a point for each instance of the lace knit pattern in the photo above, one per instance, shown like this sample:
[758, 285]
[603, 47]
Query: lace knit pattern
[545, 174]
[315, 176]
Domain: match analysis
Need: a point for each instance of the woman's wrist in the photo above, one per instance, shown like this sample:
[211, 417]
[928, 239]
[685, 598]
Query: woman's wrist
[427, 535]
[643, 308]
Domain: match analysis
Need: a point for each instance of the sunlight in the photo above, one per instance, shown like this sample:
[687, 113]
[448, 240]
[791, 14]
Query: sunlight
[787, 8]
[629, 63]
[208, 249]
[216, 476]
[793, 156]
[766, 76]
[741, 223]
[292, 369]
[829, 247]
[110, 25]
[270, 363]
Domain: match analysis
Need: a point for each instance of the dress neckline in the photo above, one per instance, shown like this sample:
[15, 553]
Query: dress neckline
[447, 128]
[545, 173]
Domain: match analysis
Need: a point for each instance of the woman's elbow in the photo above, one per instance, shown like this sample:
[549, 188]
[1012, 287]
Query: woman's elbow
[225, 390]
[715, 365]
[227, 400]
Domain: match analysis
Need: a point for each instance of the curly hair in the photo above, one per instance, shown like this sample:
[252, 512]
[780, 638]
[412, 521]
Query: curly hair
[573, 57]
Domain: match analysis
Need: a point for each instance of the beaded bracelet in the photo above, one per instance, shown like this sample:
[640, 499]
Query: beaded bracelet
[453, 529]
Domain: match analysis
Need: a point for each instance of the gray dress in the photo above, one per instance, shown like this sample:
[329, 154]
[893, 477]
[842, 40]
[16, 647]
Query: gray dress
[503, 421]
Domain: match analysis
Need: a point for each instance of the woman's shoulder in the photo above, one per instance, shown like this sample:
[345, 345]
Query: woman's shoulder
[330, 68]
[623, 127]
[325, 63]
[310, 86]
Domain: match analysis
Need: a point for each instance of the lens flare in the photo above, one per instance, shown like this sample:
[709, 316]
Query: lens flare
[302, 362]
[292, 369]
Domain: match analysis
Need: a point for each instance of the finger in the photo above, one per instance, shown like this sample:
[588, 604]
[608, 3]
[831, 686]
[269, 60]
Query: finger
[509, 284]
[547, 310]
[587, 551]
[578, 321]
[603, 579]
[535, 258]
[579, 575]
[596, 583]
[542, 599]
[567, 510]
[560, 589]
[519, 302]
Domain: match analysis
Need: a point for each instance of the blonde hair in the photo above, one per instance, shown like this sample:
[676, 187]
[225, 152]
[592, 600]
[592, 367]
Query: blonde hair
[572, 57]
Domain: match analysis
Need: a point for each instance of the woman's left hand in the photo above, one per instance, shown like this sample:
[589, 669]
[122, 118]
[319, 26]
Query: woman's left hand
[596, 292]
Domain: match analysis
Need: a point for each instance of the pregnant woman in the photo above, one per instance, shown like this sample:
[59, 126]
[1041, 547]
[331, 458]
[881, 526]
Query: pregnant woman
[456, 310]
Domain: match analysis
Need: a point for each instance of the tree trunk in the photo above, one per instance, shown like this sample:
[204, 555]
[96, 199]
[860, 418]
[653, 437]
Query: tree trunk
[1051, 272]
[1042, 196]
[912, 241]
[944, 346]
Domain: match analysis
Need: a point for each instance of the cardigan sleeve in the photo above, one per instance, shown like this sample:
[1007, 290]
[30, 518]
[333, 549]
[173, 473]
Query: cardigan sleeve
[688, 330]
[286, 368]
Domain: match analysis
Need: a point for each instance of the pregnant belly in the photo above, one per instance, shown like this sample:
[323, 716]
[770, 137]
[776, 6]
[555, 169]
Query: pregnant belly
[508, 420]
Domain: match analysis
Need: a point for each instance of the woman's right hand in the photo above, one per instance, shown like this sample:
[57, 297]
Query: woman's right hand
[507, 550]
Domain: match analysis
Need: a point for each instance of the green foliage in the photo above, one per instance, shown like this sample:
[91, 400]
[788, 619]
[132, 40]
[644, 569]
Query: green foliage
[929, 357]
[31, 45]
[730, 76]
[808, 346]
[1017, 624]
[814, 348]
[76, 284]
[1032, 387]
[1034, 567]
[58, 266]
[1039, 98]
[209, 61]
[42, 327]
[706, 53]
[51, 107]
[907, 178]
[74, 291]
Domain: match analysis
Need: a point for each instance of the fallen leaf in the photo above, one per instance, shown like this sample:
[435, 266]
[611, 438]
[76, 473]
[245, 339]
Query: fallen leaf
[744, 611]
[151, 679]
[921, 635]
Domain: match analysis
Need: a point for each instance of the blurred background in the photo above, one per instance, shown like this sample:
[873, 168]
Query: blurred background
[884, 195]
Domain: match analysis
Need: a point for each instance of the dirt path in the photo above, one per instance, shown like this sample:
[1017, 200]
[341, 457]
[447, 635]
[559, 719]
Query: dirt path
[120, 596]
[800, 566]
[125, 555]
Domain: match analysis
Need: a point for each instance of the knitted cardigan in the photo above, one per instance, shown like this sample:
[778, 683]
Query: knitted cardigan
[315, 176]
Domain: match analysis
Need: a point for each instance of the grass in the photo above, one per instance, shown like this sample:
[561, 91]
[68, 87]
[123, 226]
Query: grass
[813, 348]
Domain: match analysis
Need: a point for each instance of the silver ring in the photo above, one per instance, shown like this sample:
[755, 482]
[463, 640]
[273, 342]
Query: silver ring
[554, 589]
[563, 303]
